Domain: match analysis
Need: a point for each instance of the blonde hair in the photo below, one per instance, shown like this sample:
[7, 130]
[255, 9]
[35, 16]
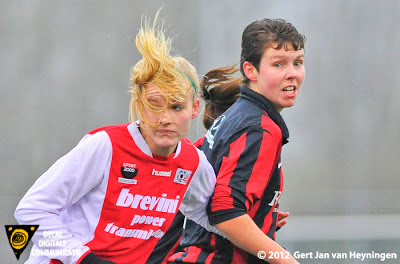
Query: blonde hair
[173, 76]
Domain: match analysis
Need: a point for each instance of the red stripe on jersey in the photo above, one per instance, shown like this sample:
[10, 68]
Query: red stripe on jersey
[272, 128]
[222, 198]
[192, 254]
[177, 255]
[239, 256]
[266, 161]
[212, 241]
[209, 258]
[171, 252]
[213, 246]
[199, 142]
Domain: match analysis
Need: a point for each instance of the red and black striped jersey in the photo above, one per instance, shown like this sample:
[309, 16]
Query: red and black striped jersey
[243, 145]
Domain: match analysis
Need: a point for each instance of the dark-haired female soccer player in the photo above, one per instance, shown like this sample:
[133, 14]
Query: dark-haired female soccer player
[244, 147]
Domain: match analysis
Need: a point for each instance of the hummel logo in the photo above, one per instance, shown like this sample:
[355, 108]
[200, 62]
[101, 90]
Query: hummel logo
[161, 173]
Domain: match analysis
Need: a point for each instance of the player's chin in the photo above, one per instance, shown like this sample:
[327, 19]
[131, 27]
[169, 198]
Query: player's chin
[168, 142]
[171, 138]
[289, 103]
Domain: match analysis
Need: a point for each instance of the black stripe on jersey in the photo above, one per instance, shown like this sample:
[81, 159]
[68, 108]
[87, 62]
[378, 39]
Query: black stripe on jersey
[222, 246]
[224, 215]
[202, 239]
[167, 242]
[272, 228]
[203, 256]
[224, 249]
[263, 211]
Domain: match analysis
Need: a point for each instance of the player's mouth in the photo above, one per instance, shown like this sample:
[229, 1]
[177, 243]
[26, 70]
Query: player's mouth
[290, 91]
[165, 131]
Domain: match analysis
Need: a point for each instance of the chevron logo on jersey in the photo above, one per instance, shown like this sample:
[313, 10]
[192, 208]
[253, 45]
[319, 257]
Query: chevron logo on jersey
[182, 176]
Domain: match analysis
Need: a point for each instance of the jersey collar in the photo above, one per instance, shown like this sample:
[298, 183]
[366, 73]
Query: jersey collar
[260, 100]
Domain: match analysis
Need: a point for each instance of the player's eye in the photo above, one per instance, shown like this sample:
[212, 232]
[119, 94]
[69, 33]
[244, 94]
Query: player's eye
[177, 107]
[298, 63]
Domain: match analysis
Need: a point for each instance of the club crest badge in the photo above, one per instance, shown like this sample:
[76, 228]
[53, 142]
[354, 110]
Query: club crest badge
[182, 176]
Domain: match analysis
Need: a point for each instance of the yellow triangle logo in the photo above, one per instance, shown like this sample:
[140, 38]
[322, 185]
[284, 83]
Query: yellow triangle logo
[19, 237]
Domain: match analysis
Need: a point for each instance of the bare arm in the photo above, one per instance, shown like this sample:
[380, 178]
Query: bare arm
[245, 234]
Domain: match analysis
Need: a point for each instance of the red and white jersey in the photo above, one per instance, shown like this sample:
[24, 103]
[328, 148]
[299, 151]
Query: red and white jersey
[111, 196]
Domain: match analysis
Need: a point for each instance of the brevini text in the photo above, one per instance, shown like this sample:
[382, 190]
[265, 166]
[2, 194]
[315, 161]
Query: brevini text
[159, 204]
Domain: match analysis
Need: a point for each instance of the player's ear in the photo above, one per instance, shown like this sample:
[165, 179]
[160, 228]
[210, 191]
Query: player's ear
[196, 106]
[250, 71]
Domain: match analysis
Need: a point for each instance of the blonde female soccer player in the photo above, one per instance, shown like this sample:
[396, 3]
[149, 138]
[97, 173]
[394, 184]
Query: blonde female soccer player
[115, 197]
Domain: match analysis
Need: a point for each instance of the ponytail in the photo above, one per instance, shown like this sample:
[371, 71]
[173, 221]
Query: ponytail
[220, 90]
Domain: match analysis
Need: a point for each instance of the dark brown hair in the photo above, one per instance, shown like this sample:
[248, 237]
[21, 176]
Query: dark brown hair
[261, 33]
[220, 90]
